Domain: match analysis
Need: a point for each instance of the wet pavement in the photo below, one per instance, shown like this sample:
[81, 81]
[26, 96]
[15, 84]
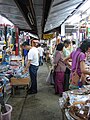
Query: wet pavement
[41, 106]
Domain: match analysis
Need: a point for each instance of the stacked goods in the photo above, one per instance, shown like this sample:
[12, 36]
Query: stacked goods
[80, 111]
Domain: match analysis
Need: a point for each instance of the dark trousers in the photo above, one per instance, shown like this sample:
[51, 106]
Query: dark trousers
[41, 60]
[33, 75]
[66, 79]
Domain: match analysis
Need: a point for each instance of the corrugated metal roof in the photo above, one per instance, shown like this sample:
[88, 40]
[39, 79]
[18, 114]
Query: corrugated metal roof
[38, 7]
[59, 11]
[9, 9]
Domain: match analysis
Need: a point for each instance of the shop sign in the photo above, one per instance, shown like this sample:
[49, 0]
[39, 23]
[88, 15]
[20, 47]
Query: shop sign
[48, 36]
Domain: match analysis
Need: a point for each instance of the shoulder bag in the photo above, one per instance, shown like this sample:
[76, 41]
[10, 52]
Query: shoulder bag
[74, 76]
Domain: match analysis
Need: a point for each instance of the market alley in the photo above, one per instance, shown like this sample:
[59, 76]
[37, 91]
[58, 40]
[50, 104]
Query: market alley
[41, 106]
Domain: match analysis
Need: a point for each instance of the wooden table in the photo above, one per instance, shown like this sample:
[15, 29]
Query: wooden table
[19, 82]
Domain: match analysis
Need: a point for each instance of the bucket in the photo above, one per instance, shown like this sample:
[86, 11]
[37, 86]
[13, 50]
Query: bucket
[7, 115]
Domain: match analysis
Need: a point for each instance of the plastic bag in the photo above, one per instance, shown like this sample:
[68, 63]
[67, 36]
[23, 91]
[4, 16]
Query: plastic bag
[50, 77]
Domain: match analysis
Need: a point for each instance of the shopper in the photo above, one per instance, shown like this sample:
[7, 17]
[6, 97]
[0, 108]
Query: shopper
[40, 50]
[67, 48]
[47, 55]
[25, 52]
[32, 65]
[78, 59]
[66, 52]
[59, 69]
[74, 45]
[26, 47]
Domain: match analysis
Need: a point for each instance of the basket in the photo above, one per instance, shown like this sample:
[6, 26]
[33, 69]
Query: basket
[7, 115]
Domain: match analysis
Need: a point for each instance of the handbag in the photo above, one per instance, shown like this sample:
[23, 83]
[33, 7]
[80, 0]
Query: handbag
[74, 76]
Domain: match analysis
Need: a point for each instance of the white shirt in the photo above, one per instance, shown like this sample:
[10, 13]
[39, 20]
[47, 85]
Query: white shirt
[74, 47]
[33, 56]
[40, 50]
[66, 52]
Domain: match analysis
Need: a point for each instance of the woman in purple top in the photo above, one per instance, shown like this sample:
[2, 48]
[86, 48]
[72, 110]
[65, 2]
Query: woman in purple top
[79, 55]
[59, 69]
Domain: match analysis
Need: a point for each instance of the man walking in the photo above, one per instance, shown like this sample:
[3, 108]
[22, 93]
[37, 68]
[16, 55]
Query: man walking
[40, 50]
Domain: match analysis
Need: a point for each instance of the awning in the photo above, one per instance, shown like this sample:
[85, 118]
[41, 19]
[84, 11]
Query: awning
[59, 12]
[9, 9]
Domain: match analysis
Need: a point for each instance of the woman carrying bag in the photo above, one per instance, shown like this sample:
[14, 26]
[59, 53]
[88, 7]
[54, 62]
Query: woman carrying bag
[78, 70]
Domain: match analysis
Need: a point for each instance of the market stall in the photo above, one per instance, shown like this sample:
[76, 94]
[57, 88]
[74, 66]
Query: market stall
[75, 104]
[11, 75]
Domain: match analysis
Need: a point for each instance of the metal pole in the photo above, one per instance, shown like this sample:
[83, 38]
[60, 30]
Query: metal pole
[5, 33]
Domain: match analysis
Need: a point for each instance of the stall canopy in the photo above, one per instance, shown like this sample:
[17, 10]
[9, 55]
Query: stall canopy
[60, 11]
[10, 10]
[4, 21]
[38, 16]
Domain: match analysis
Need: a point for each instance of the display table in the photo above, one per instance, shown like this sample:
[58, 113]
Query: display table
[19, 82]
[75, 103]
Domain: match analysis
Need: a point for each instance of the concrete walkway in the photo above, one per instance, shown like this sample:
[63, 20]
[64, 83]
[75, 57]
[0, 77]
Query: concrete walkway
[41, 106]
